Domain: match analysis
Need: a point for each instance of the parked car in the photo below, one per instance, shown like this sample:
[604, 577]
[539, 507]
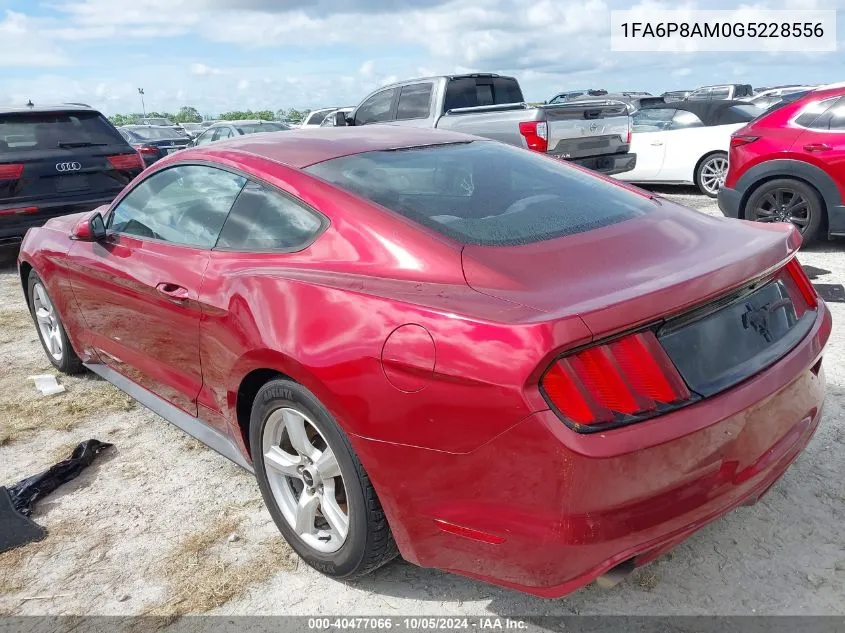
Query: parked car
[724, 91]
[768, 98]
[316, 117]
[595, 135]
[155, 121]
[686, 142]
[563, 97]
[676, 95]
[330, 119]
[788, 165]
[56, 160]
[193, 130]
[153, 142]
[284, 301]
[228, 129]
[209, 122]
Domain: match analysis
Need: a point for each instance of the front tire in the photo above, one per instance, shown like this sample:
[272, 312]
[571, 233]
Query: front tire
[51, 332]
[710, 174]
[787, 200]
[313, 484]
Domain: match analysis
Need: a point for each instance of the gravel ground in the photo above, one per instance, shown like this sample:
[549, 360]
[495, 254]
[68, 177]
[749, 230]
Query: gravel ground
[162, 525]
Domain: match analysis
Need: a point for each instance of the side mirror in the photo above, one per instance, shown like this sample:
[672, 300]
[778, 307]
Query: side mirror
[340, 119]
[90, 229]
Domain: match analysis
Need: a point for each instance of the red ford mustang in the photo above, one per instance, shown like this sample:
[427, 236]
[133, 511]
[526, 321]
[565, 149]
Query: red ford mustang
[436, 345]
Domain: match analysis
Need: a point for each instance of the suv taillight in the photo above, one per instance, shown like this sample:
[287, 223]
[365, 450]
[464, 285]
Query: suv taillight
[630, 135]
[623, 381]
[536, 135]
[739, 140]
[126, 161]
[11, 171]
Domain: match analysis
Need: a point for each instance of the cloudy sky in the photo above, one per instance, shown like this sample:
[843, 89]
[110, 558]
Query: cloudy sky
[220, 55]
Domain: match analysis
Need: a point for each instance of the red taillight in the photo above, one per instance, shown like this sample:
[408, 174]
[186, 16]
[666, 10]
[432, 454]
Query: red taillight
[126, 161]
[738, 140]
[536, 135]
[616, 383]
[146, 149]
[803, 283]
[18, 210]
[11, 171]
[630, 131]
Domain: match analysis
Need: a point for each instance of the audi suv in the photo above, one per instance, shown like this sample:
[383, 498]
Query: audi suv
[56, 161]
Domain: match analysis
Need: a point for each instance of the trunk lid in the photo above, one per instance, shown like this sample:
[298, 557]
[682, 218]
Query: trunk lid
[633, 272]
[580, 130]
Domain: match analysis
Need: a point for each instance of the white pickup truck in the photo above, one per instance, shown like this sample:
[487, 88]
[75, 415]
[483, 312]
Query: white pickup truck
[492, 106]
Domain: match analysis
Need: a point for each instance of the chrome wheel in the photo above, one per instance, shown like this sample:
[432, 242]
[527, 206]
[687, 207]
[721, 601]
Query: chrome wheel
[48, 322]
[713, 173]
[305, 479]
[784, 205]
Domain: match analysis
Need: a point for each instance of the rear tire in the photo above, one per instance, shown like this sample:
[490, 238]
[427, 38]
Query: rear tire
[51, 331]
[324, 506]
[787, 200]
[710, 173]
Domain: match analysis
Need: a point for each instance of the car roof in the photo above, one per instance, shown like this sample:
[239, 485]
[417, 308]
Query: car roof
[711, 112]
[242, 122]
[302, 147]
[60, 107]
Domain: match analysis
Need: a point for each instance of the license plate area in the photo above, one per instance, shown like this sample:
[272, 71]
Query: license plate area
[76, 182]
[737, 340]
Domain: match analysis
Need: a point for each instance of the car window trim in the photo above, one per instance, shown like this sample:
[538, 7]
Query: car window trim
[110, 213]
[325, 222]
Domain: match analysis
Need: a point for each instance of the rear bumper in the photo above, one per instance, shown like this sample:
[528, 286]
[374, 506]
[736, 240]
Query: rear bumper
[729, 201]
[14, 227]
[552, 509]
[608, 164]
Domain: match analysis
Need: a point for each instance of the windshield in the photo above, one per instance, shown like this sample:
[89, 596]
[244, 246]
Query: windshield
[484, 193]
[51, 130]
[253, 128]
[155, 133]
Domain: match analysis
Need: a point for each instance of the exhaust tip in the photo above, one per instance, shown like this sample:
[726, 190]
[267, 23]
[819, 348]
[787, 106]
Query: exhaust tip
[616, 575]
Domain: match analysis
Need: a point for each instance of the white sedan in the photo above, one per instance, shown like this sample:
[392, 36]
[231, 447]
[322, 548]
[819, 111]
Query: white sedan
[686, 142]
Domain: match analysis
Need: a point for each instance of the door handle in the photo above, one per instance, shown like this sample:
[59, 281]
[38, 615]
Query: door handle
[817, 147]
[173, 291]
[657, 143]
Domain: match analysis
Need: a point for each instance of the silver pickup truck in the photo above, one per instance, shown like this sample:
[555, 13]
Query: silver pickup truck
[492, 106]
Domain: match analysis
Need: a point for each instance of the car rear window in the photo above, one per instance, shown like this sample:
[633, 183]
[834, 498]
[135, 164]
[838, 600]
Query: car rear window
[484, 193]
[51, 130]
[155, 134]
[470, 92]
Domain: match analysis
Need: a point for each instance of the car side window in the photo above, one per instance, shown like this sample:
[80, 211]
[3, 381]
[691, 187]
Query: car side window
[652, 119]
[815, 115]
[837, 116]
[205, 138]
[414, 102]
[684, 119]
[720, 93]
[222, 132]
[185, 204]
[376, 109]
[263, 219]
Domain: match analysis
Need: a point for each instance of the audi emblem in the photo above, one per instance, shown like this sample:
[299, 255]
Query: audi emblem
[68, 166]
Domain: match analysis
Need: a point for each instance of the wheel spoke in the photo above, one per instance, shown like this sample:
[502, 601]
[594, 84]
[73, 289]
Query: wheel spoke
[799, 205]
[771, 200]
[295, 426]
[42, 315]
[281, 462]
[327, 464]
[766, 218]
[802, 222]
[335, 517]
[306, 511]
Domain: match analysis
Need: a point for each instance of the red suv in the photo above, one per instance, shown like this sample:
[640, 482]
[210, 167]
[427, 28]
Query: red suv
[788, 165]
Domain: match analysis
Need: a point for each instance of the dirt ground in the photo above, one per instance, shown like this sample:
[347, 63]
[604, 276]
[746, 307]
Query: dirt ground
[162, 525]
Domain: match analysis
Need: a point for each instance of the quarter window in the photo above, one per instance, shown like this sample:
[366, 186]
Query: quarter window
[814, 114]
[377, 108]
[264, 220]
[186, 204]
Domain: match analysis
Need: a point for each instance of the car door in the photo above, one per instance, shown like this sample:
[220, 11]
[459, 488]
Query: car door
[686, 140]
[822, 142]
[379, 108]
[648, 142]
[138, 290]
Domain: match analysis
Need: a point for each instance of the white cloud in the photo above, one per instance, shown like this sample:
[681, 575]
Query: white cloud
[203, 69]
[22, 44]
[366, 69]
[682, 72]
[243, 84]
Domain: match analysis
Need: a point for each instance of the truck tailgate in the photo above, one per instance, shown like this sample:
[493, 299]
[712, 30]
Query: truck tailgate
[579, 130]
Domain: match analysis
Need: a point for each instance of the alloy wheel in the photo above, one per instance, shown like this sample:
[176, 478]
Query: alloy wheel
[48, 322]
[713, 174]
[305, 479]
[784, 205]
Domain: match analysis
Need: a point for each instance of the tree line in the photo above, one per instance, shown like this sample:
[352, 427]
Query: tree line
[189, 114]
